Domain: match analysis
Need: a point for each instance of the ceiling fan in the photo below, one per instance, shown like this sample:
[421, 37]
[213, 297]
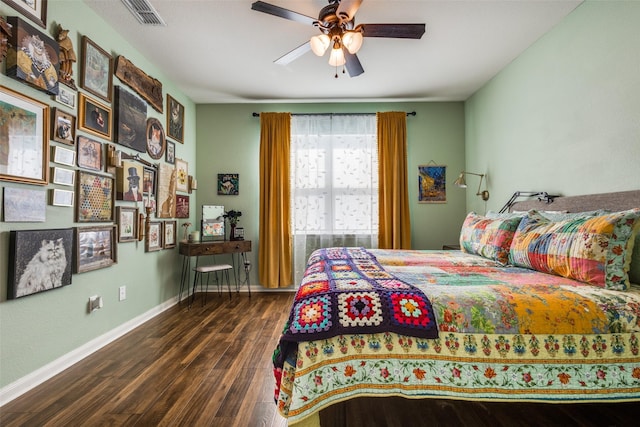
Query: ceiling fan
[339, 32]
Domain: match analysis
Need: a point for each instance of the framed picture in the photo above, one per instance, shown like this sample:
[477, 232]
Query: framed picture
[130, 120]
[175, 119]
[61, 197]
[127, 224]
[228, 184]
[67, 96]
[63, 127]
[33, 57]
[182, 206]
[95, 198]
[64, 176]
[95, 117]
[149, 181]
[23, 118]
[129, 182]
[432, 184]
[39, 260]
[170, 153]
[89, 153]
[166, 191]
[24, 205]
[35, 10]
[153, 237]
[64, 156]
[155, 138]
[96, 70]
[95, 248]
[182, 175]
[169, 234]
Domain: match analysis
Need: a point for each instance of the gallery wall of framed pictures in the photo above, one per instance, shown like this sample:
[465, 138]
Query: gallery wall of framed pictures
[95, 142]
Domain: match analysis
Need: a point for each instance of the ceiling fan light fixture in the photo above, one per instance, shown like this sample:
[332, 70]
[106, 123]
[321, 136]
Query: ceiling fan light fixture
[319, 44]
[352, 40]
[337, 57]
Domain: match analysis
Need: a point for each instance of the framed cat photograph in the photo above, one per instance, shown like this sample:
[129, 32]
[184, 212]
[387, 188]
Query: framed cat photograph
[39, 260]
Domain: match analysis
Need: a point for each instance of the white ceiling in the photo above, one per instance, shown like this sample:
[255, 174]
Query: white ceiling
[221, 51]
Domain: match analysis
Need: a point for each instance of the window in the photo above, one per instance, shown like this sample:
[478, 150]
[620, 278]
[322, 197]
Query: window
[334, 183]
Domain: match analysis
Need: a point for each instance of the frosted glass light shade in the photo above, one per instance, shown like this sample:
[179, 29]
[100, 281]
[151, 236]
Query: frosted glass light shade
[337, 57]
[352, 40]
[319, 44]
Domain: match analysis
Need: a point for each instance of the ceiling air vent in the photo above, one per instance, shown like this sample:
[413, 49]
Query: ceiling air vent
[144, 12]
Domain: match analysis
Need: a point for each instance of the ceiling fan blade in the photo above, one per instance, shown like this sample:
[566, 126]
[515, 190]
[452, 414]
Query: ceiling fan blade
[396, 31]
[281, 12]
[347, 9]
[353, 65]
[294, 54]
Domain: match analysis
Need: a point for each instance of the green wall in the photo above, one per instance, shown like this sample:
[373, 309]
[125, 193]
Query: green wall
[38, 329]
[229, 142]
[564, 117]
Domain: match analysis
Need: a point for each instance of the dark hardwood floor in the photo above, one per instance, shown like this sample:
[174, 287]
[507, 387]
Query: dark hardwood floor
[211, 366]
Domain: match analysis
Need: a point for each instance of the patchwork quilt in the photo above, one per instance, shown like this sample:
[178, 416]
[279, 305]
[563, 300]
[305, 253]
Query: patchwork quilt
[503, 333]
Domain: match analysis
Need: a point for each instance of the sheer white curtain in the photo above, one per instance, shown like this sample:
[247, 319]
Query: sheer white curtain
[334, 184]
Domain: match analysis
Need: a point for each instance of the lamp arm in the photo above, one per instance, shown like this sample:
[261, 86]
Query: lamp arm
[542, 196]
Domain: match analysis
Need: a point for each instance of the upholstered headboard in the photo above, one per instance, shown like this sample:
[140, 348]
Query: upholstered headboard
[619, 201]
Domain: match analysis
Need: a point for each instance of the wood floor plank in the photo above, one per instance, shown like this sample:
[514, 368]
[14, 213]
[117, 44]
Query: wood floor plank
[211, 366]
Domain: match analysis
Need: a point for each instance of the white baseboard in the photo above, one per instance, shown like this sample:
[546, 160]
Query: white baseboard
[37, 377]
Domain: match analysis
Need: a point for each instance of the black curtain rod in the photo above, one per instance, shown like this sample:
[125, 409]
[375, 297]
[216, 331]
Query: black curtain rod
[412, 113]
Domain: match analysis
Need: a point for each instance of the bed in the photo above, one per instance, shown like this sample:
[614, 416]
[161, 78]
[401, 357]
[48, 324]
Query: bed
[542, 305]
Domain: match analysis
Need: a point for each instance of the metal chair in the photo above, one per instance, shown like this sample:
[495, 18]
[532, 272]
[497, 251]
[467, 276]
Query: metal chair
[208, 269]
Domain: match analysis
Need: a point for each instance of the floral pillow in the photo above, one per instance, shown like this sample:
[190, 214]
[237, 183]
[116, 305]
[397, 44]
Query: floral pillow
[488, 237]
[595, 250]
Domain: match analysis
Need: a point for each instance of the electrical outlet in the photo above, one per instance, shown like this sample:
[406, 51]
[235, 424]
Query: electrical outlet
[95, 302]
[123, 293]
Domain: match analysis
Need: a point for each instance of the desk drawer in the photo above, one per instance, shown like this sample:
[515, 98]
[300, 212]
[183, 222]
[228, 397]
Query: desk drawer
[215, 248]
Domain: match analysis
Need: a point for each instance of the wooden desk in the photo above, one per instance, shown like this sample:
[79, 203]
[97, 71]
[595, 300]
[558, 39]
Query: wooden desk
[236, 248]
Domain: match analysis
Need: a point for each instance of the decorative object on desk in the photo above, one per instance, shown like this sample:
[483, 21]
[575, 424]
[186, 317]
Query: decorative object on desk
[95, 198]
[96, 70]
[153, 240]
[175, 119]
[89, 153]
[432, 184]
[542, 196]
[130, 120]
[182, 176]
[169, 234]
[24, 205]
[156, 142]
[24, 119]
[63, 127]
[67, 57]
[238, 233]
[32, 57]
[462, 183]
[170, 153]
[185, 232]
[39, 260]
[95, 248]
[94, 117]
[213, 221]
[127, 224]
[228, 184]
[194, 236]
[234, 218]
[166, 191]
[35, 10]
[182, 206]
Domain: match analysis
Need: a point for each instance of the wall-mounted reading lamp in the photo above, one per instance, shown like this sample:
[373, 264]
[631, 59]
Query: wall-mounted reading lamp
[542, 196]
[462, 183]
